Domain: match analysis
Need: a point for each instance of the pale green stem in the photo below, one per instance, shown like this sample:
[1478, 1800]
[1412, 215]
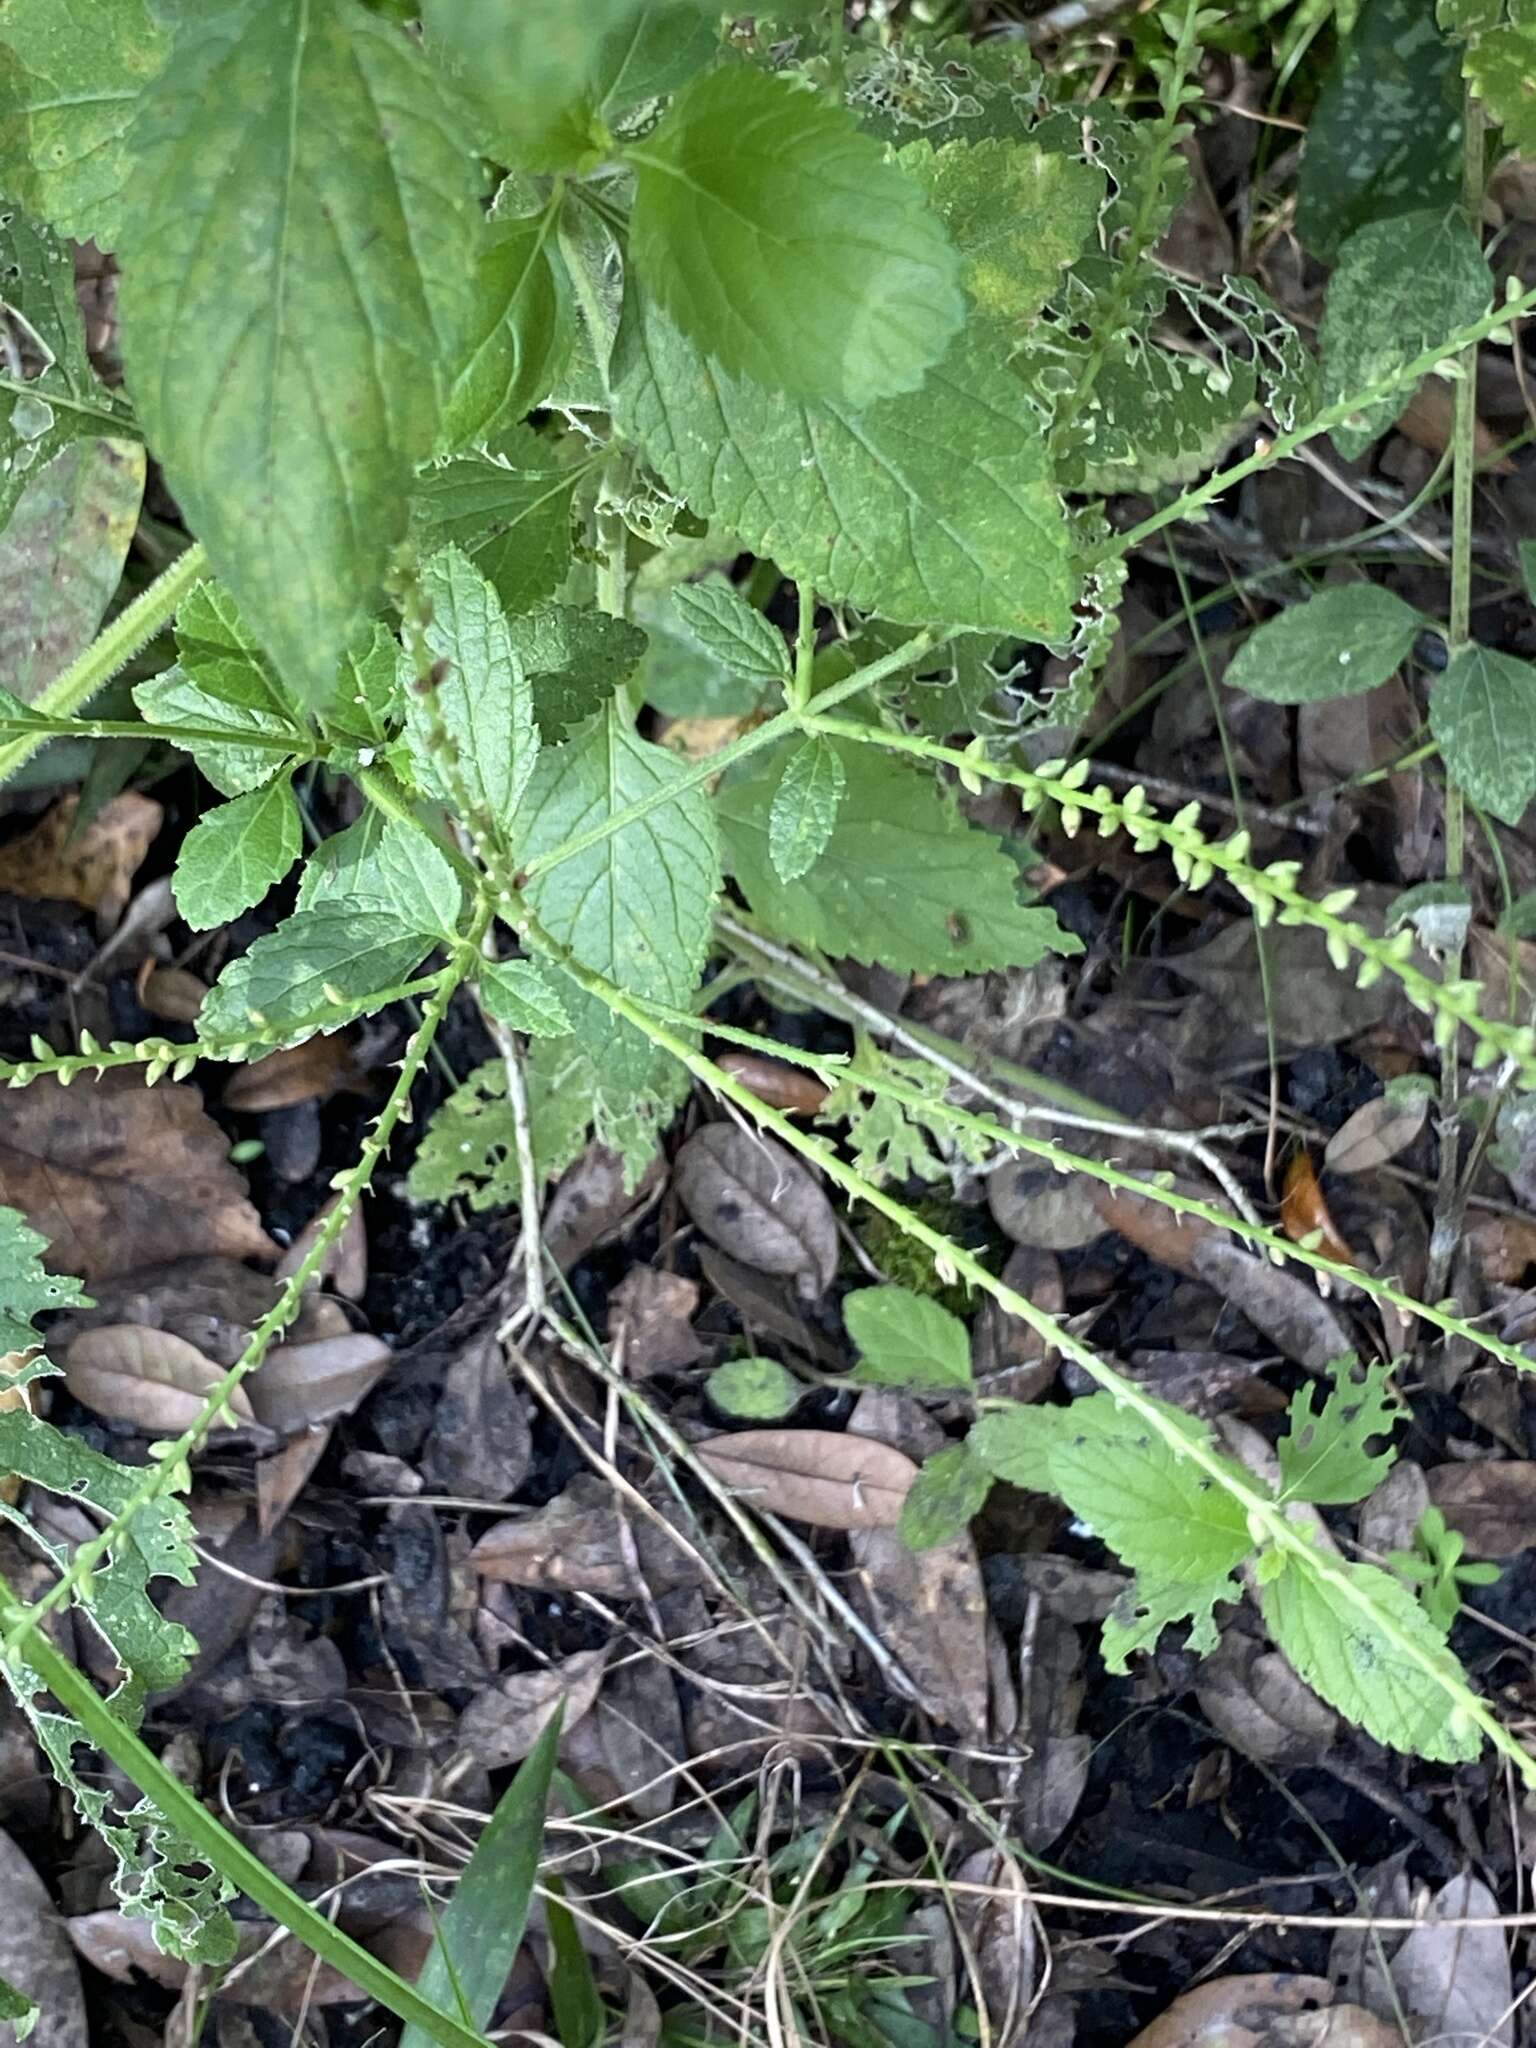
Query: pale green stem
[133, 628]
[225, 1851]
[1266, 1516]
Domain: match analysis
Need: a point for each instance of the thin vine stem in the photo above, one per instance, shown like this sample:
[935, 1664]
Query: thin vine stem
[171, 1472]
[1272, 891]
[1267, 1517]
[1269, 452]
[133, 628]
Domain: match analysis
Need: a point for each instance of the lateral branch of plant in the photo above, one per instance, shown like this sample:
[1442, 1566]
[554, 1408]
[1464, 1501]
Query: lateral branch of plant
[1271, 891]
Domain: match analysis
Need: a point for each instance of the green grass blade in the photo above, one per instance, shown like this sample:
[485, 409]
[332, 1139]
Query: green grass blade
[572, 1987]
[479, 1934]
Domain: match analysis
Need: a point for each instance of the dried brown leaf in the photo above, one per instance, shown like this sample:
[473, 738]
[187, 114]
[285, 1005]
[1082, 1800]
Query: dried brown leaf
[158, 1382]
[501, 1724]
[1254, 1700]
[759, 1204]
[1455, 1979]
[1491, 1501]
[299, 1386]
[650, 1315]
[579, 1543]
[311, 1072]
[281, 1478]
[766, 1305]
[345, 1265]
[479, 1444]
[117, 1176]
[1010, 1359]
[818, 1476]
[35, 1956]
[94, 866]
[1234, 2012]
[1057, 1754]
[1378, 1131]
[776, 1082]
[283, 1978]
[1275, 1300]
[170, 993]
[1035, 1205]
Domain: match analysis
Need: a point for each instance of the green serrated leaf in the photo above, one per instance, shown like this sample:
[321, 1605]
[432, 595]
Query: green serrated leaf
[678, 676]
[907, 1339]
[903, 879]
[1482, 712]
[70, 82]
[575, 659]
[782, 242]
[1347, 1654]
[383, 865]
[1018, 215]
[946, 1496]
[222, 679]
[754, 1389]
[313, 150]
[1526, 550]
[322, 967]
[520, 334]
[1384, 137]
[368, 702]
[1158, 1512]
[518, 995]
[27, 1289]
[803, 814]
[1323, 1455]
[235, 853]
[482, 699]
[61, 400]
[508, 506]
[734, 632]
[1343, 641]
[940, 504]
[1399, 286]
[637, 904]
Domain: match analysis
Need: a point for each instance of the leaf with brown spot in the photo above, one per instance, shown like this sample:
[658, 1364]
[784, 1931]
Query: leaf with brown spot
[158, 1382]
[94, 866]
[117, 1176]
[759, 1204]
[818, 1476]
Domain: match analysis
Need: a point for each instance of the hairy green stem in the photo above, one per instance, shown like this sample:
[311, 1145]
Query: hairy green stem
[171, 1472]
[225, 1851]
[1276, 450]
[1266, 1516]
[133, 628]
[1449, 1203]
[749, 743]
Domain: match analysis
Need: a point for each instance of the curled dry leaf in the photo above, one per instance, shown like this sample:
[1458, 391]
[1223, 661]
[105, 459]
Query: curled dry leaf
[1378, 1131]
[501, 1724]
[775, 1082]
[311, 1072]
[158, 1382]
[650, 1320]
[35, 1956]
[170, 993]
[118, 1176]
[1252, 1697]
[578, 1543]
[94, 866]
[1304, 1213]
[299, 1386]
[928, 1605]
[818, 1476]
[1234, 2012]
[759, 1204]
[1491, 1501]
